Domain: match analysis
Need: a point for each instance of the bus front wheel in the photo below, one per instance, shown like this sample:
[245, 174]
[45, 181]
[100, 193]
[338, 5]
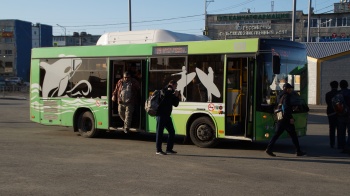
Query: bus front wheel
[86, 125]
[202, 132]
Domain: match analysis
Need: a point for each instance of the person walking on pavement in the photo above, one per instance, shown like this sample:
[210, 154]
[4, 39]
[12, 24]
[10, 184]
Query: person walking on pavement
[171, 98]
[287, 123]
[126, 93]
[331, 114]
[344, 120]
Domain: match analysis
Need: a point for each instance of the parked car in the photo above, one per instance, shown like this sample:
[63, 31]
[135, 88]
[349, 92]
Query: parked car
[2, 82]
[14, 81]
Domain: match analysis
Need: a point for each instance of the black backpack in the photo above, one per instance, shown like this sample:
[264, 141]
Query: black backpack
[339, 104]
[153, 102]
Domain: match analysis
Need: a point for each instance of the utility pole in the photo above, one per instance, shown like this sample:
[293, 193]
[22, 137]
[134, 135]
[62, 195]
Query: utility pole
[129, 15]
[272, 6]
[206, 4]
[308, 23]
[293, 20]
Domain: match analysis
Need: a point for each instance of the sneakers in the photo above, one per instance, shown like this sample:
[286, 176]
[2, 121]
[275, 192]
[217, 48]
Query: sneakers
[160, 153]
[301, 153]
[270, 153]
[171, 152]
[126, 130]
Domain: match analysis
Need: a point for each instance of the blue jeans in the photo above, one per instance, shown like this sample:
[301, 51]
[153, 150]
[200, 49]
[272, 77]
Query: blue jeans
[165, 122]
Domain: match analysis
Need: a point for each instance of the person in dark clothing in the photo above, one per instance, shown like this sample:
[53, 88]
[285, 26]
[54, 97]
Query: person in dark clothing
[332, 115]
[287, 123]
[344, 121]
[164, 120]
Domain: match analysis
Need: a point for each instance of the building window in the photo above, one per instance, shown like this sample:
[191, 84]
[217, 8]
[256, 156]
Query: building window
[333, 22]
[340, 22]
[8, 52]
[314, 22]
[325, 22]
[346, 21]
[8, 29]
[8, 40]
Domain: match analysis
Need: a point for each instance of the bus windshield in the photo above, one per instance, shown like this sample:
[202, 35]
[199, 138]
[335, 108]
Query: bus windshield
[293, 70]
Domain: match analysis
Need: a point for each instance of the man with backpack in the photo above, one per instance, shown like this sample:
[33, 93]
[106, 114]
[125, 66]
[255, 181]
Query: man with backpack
[286, 122]
[331, 114]
[171, 98]
[343, 120]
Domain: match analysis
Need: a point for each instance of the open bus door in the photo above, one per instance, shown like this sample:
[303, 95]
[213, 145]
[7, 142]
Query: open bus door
[137, 68]
[239, 78]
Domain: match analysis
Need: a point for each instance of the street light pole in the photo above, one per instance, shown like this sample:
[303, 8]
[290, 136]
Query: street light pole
[293, 20]
[129, 15]
[206, 4]
[65, 35]
[308, 23]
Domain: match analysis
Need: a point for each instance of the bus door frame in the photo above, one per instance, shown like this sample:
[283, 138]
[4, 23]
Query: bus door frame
[113, 108]
[249, 102]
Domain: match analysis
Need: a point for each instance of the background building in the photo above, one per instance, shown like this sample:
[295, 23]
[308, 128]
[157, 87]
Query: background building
[16, 42]
[323, 27]
[82, 39]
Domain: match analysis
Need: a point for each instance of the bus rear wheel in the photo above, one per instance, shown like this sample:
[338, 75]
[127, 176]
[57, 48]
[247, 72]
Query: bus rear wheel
[202, 132]
[86, 125]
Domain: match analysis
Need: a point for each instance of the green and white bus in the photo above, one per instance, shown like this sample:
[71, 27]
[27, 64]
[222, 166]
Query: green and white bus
[228, 87]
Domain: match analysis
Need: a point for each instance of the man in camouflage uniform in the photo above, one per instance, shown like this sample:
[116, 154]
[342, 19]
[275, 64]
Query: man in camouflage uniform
[126, 92]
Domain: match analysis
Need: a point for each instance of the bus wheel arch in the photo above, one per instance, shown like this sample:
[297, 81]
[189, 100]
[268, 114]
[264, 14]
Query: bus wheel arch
[202, 131]
[85, 123]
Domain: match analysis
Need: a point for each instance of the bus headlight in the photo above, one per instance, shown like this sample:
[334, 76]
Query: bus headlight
[267, 135]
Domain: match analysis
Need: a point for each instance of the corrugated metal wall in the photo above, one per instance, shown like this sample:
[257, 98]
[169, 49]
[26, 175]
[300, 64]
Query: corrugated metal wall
[334, 69]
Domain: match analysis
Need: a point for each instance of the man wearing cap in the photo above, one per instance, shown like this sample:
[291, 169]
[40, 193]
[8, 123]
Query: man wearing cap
[287, 123]
[126, 92]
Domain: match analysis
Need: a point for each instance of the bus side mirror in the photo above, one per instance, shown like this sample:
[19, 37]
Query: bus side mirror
[276, 64]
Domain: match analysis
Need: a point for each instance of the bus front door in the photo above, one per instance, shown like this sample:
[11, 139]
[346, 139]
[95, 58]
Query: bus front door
[237, 115]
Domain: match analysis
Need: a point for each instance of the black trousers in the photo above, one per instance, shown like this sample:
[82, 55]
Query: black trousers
[290, 128]
[333, 123]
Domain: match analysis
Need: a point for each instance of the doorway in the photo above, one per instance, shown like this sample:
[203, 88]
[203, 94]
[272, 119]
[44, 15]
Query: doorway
[236, 96]
[137, 68]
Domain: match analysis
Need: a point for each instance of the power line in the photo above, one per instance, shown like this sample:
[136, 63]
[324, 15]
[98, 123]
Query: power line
[145, 21]
[324, 8]
[234, 6]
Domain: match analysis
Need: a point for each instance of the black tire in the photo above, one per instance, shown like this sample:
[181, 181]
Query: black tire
[86, 125]
[202, 132]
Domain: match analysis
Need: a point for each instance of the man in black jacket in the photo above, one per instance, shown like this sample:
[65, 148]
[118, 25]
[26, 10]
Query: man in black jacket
[287, 123]
[332, 115]
[164, 120]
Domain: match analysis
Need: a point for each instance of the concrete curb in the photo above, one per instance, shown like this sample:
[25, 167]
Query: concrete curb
[13, 98]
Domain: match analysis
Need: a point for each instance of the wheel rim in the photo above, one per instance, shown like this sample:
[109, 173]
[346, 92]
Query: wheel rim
[204, 132]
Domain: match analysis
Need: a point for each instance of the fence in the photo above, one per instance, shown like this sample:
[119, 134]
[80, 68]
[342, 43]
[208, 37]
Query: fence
[14, 90]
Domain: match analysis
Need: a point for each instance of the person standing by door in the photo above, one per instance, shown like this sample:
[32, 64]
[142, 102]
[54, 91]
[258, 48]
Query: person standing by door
[171, 98]
[344, 120]
[331, 114]
[126, 93]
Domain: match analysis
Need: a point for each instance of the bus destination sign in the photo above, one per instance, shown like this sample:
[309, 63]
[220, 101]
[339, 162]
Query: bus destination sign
[170, 50]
